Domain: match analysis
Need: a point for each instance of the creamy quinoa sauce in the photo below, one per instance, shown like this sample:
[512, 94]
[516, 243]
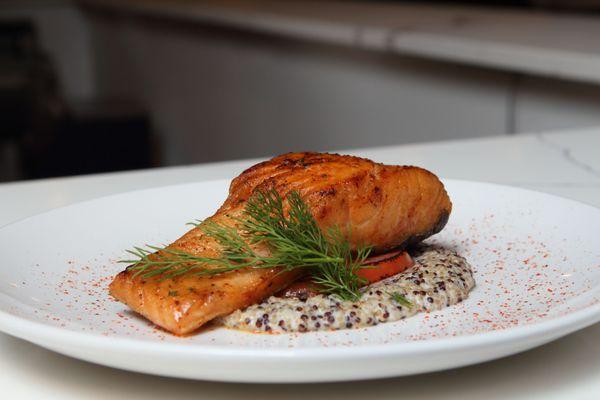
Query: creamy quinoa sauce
[439, 278]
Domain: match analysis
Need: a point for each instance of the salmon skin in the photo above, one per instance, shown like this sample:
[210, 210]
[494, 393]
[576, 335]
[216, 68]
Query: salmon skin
[386, 206]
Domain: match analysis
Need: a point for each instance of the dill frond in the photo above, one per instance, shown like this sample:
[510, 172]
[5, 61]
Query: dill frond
[294, 241]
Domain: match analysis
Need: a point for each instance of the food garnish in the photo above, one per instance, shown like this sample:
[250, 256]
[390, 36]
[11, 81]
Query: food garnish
[294, 240]
[385, 267]
[401, 300]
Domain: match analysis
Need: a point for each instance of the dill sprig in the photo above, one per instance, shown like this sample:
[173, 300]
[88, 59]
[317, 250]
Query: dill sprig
[401, 300]
[294, 240]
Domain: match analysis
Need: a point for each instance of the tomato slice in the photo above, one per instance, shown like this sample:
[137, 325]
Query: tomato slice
[380, 269]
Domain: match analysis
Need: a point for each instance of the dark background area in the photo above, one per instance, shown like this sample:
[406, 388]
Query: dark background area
[548, 5]
[53, 137]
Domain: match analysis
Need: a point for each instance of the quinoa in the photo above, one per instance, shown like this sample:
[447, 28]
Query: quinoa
[439, 278]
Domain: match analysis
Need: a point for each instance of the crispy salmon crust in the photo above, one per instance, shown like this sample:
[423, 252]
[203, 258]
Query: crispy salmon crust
[385, 206]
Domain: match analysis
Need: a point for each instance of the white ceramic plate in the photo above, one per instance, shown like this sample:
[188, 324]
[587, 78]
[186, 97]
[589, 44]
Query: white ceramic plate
[536, 259]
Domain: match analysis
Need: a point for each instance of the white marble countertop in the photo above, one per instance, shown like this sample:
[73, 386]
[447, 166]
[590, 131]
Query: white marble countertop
[527, 41]
[564, 163]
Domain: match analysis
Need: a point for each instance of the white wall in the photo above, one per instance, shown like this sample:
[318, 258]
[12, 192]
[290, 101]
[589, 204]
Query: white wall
[216, 95]
[543, 104]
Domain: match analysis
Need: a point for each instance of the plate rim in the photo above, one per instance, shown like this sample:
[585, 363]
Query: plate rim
[40, 333]
[32, 330]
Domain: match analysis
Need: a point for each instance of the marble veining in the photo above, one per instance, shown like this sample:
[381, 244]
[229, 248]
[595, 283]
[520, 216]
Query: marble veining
[568, 155]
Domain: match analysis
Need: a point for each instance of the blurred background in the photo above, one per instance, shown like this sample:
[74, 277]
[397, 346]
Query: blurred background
[89, 86]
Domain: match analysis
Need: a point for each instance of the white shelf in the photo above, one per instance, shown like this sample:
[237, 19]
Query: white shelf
[565, 46]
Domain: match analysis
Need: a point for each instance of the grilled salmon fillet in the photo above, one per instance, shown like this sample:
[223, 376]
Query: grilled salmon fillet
[386, 206]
